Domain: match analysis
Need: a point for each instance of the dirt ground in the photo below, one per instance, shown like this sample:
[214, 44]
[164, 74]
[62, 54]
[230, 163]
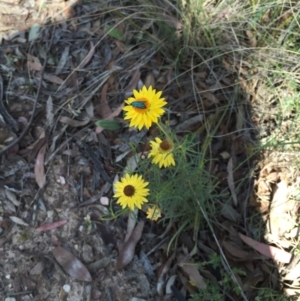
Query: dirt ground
[56, 183]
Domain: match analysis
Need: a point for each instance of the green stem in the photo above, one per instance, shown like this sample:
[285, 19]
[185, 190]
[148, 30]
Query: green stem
[163, 130]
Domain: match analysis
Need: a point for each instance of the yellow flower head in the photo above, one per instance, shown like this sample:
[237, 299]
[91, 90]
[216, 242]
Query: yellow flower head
[144, 108]
[162, 152]
[153, 213]
[131, 191]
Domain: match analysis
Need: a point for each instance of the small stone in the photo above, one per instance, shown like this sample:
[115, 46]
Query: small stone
[7, 276]
[87, 253]
[10, 299]
[50, 213]
[67, 288]
[104, 201]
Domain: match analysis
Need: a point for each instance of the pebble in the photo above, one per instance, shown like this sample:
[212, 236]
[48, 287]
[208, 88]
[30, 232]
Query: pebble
[67, 288]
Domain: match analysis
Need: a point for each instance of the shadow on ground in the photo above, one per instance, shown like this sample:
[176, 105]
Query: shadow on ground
[89, 71]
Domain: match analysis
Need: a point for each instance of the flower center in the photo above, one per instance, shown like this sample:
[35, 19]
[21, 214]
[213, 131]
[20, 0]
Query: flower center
[129, 190]
[165, 146]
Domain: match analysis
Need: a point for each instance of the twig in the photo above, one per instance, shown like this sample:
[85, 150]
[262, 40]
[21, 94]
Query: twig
[3, 151]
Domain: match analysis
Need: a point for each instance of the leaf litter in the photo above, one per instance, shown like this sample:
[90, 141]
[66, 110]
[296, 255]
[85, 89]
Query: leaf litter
[87, 81]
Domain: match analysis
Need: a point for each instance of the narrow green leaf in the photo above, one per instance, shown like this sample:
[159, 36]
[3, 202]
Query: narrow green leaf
[114, 32]
[111, 125]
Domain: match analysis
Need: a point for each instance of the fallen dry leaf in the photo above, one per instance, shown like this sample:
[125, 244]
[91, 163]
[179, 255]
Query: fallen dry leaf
[72, 122]
[230, 181]
[252, 38]
[63, 60]
[104, 109]
[34, 63]
[149, 80]
[133, 82]
[73, 266]
[51, 226]
[128, 250]
[192, 271]
[132, 219]
[89, 55]
[294, 273]
[39, 170]
[162, 273]
[233, 250]
[18, 221]
[269, 251]
[279, 217]
[49, 111]
[121, 46]
[53, 79]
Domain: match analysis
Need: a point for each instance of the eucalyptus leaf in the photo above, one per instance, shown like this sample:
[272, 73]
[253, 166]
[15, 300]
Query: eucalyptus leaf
[34, 32]
[114, 32]
[107, 124]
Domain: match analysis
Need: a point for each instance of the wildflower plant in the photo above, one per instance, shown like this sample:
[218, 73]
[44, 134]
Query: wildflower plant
[162, 152]
[144, 108]
[131, 191]
[153, 213]
[172, 183]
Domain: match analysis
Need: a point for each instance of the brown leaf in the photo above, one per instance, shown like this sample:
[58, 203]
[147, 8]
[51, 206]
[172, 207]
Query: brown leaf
[72, 265]
[72, 122]
[269, 251]
[191, 270]
[51, 226]
[53, 78]
[34, 148]
[34, 63]
[230, 181]
[127, 252]
[211, 97]
[252, 38]
[233, 250]
[63, 60]
[133, 82]
[39, 170]
[37, 269]
[279, 218]
[104, 109]
[89, 55]
[132, 219]
[121, 46]
[150, 80]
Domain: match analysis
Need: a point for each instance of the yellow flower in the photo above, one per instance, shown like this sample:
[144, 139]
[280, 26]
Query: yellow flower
[131, 191]
[144, 108]
[162, 153]
[153, 213]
